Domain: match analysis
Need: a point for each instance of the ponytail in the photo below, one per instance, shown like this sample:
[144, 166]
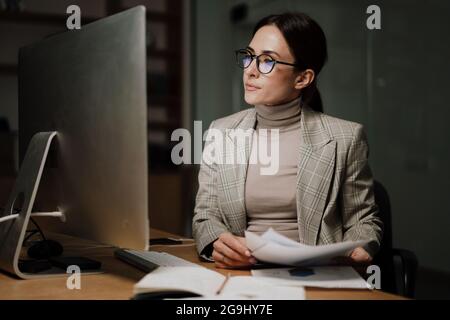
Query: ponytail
[311, 97]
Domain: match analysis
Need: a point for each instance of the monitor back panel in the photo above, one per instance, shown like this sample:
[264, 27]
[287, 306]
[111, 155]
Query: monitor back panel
[90, 86]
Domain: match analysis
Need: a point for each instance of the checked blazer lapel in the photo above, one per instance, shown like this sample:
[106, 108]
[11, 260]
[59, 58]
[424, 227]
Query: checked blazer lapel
[314, 176]
[233, 177]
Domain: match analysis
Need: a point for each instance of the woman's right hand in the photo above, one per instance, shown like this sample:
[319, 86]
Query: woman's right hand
[230, 251]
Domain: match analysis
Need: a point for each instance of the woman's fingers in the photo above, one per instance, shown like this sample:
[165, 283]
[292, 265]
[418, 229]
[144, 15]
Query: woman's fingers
[360, 255]
[218, 257]
[232, 242]
[222, 261]
[228, 252]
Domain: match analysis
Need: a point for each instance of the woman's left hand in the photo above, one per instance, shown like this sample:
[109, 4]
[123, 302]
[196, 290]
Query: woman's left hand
[360, 256]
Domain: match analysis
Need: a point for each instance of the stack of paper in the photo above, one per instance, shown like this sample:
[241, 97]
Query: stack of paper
[273, 247]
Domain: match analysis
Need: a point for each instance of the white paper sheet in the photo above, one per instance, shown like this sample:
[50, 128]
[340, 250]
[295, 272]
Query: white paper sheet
[323, 277]
[253, 288]
[248, 287]
[273, 247]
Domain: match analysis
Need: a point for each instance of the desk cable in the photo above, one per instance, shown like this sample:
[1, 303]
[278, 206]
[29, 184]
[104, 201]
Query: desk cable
[55, 214]
[15, 215]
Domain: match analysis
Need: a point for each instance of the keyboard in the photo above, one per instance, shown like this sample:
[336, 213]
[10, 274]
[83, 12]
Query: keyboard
[148, 261]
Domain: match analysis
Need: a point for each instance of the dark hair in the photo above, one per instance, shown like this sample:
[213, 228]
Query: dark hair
[308, 44]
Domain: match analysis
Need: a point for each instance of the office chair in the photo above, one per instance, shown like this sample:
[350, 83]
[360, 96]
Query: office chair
[398, 266]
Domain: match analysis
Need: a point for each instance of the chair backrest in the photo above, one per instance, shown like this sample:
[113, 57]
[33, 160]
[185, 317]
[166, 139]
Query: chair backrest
[384, 207]
[384, 258]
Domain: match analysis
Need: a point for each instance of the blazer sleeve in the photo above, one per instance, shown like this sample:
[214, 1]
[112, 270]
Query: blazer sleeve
[207, 222]
[359, 210]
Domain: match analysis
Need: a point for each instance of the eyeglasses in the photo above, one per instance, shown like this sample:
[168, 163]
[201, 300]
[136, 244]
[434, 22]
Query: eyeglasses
[264, 62]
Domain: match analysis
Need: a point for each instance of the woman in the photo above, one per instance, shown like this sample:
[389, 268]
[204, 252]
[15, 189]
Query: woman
[323, 190]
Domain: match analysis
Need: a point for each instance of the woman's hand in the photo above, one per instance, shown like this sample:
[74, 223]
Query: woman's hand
[358, 257]
[230, 251]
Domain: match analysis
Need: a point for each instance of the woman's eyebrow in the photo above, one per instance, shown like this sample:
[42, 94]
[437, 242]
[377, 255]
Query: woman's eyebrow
[264, 51]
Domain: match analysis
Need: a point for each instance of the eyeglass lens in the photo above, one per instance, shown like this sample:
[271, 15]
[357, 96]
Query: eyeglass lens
[265, 63]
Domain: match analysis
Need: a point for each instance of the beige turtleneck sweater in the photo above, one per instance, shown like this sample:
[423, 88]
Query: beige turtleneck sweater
[270, 200]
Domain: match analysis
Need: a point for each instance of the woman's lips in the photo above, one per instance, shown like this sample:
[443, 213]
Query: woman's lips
[249, 87]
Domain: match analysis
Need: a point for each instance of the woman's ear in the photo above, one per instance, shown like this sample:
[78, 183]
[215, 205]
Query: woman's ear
[304, 79]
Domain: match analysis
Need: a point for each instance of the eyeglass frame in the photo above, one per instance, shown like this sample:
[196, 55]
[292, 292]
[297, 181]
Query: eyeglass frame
[254, 56]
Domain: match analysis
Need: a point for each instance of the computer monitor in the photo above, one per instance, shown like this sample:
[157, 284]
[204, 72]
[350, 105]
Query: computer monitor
[89, 85]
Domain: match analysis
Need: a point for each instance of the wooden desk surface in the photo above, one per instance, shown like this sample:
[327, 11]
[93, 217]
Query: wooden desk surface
[118, 280]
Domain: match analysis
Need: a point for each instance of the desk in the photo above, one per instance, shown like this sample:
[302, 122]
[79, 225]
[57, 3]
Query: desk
[118, 280]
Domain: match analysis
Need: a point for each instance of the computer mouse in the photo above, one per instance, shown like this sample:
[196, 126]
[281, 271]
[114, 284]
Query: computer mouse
[45, 249]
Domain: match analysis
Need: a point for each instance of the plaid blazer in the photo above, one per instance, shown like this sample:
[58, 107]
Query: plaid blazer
[335, 198]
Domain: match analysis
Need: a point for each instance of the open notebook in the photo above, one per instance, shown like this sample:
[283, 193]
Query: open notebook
[208, 284]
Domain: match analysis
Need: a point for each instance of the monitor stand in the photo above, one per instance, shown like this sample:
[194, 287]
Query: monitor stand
[12, 232]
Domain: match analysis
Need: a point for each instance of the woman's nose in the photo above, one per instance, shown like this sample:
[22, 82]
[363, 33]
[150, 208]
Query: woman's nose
[252, 69]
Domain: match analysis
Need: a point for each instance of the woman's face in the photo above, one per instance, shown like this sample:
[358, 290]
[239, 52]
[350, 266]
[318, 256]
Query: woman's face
[281, 84]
